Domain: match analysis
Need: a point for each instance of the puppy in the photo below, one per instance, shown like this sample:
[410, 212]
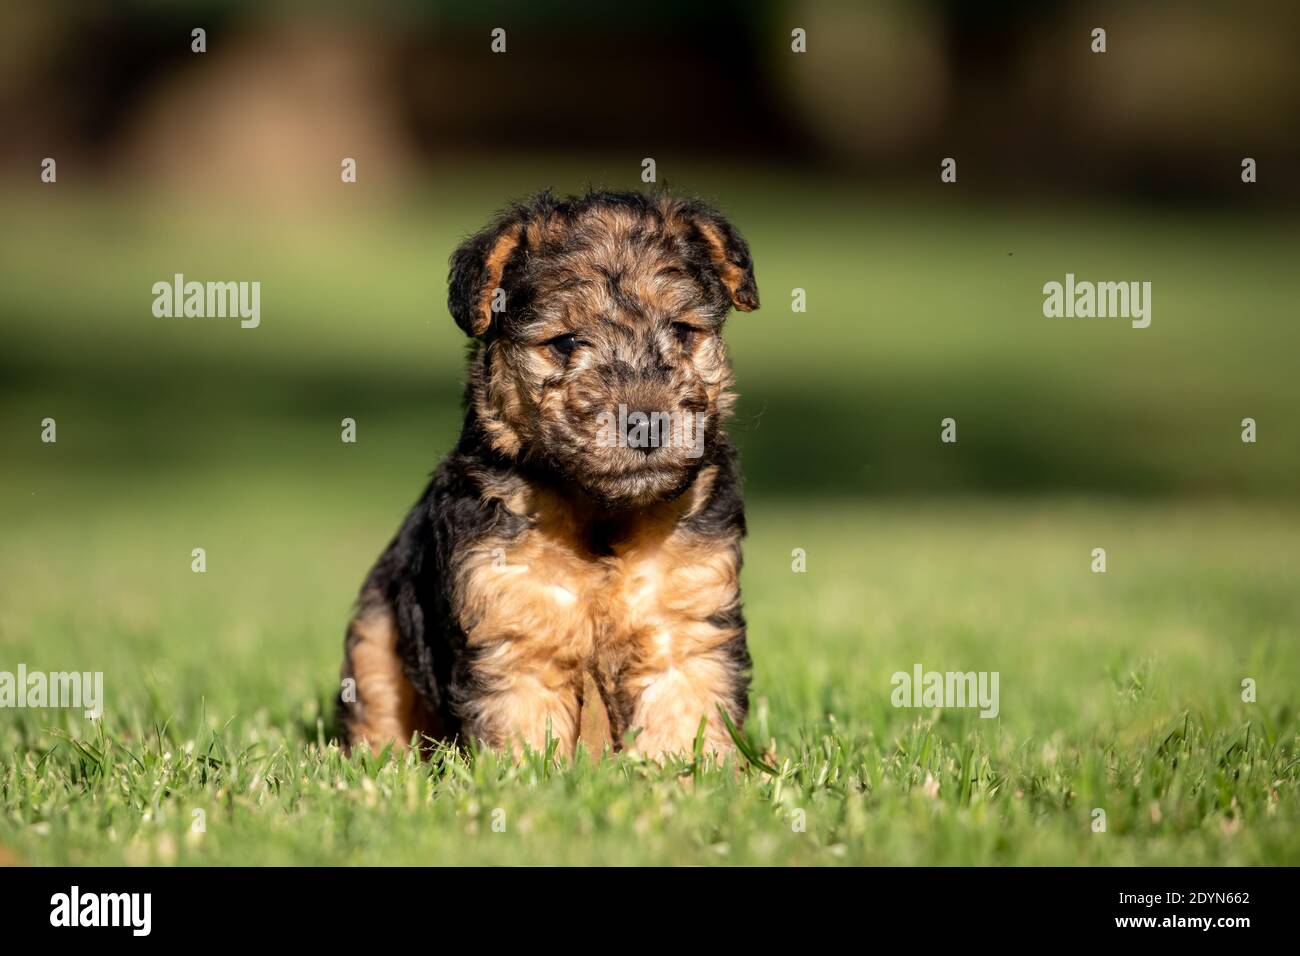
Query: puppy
[580, 547]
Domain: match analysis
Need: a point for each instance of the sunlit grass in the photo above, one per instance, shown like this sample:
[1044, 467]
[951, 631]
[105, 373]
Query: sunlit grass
[1118, 691]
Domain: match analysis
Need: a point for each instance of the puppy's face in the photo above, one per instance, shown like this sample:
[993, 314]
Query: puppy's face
[602, 360]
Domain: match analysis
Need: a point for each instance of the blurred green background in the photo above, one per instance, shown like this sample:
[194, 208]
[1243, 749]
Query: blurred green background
[924, 302]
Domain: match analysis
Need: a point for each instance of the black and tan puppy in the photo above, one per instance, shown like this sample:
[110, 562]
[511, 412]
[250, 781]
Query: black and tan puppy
[556, 542]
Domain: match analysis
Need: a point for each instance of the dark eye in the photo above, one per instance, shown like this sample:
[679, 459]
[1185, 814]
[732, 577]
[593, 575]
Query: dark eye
[564, 344]
[684, 333]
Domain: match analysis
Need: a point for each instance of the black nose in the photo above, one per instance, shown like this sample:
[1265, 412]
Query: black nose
[649, 439]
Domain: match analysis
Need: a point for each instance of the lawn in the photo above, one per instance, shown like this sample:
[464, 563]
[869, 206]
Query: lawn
[1119, 691]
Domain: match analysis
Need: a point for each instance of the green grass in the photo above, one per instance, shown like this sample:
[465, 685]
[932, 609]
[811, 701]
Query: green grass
[1119, 691]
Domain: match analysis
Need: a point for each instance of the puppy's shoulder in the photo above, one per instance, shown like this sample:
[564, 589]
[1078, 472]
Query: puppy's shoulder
[721, 512]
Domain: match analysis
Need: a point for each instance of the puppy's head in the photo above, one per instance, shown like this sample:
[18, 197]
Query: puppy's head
[598, 321]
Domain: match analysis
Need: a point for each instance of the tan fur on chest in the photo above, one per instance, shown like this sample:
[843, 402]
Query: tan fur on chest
[541, 611]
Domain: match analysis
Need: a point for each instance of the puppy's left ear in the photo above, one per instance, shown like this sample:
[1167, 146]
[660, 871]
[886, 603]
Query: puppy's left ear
[477, 268]
[728, 254]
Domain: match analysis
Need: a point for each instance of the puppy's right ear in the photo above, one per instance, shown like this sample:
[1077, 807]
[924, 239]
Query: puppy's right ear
[476, 271]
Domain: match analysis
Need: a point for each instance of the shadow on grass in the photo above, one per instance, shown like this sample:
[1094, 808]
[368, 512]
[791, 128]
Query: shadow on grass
[1016, 434]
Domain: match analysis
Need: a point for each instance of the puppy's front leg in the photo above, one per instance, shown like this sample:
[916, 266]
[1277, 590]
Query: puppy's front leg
[687, 652]
[676, 692]
[518, 697]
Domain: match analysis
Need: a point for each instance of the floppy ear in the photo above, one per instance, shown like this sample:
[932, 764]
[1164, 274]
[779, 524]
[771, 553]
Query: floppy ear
[729, 254]
[476, 270]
